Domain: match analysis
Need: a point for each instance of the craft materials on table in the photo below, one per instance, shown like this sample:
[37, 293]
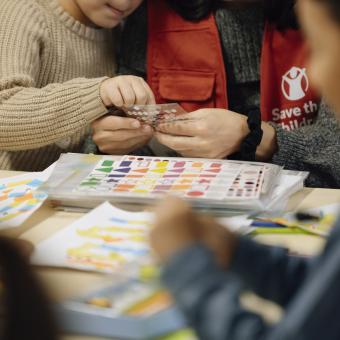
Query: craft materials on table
[108, 239]
[128, 297]
[316, 221]
[320, 222]
[154, 114]
[131, 309]
[105, 240]
[86, 181]
[20, 197]
[134, 175]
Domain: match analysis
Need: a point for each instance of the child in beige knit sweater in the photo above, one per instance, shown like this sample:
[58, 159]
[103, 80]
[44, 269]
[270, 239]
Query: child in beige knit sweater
[56, 60]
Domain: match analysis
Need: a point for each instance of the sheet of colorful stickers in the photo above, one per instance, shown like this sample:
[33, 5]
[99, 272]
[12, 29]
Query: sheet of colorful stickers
[20, 197]
[154, 114]
[151, 177]
[103, 240]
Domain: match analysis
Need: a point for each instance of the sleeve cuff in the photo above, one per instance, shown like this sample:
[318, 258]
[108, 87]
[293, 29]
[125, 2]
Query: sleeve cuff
[289, 143]
[92, 104]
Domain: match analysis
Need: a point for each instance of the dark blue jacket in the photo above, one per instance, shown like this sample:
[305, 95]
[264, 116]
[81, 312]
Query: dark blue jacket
[307, 289]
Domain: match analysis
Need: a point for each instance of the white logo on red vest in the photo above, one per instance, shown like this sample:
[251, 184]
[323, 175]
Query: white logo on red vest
[295, 83]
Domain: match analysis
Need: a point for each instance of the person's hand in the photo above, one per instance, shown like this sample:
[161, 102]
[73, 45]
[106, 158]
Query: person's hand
[206, 133]
[177, 227]
[126, 90]
[120, 135]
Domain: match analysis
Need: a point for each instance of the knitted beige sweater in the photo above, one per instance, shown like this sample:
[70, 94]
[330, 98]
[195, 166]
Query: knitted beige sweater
[51, 67]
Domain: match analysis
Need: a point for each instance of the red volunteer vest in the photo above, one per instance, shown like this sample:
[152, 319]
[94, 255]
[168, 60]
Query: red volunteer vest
[185, 65]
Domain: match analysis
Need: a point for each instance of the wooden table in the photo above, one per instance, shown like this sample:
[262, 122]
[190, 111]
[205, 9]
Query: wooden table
[64, 283]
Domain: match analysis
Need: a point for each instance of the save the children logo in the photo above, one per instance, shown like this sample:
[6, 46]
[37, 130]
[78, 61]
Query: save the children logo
[295, 84]
[297, 105]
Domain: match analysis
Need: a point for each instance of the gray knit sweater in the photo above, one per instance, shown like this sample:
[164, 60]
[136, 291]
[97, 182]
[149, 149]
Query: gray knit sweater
[313, 148]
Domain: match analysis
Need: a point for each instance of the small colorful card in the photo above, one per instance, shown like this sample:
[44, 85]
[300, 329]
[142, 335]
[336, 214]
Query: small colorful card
[20, 197]
[154, 114]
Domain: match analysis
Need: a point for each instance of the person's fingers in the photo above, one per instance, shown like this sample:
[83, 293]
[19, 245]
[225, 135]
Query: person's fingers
[135, 142]
[175, 228]
[151, 97]
[171, 207]
[184, 126]
[112, 123]
[127, 92]
[198, 114]
[121, 136]
[178, 143]
[114, 96]
[141, 94]
[206, 221]
[121, 148]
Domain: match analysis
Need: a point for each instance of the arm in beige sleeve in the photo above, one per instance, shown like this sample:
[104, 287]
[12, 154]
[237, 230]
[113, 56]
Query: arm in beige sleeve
[33, 117]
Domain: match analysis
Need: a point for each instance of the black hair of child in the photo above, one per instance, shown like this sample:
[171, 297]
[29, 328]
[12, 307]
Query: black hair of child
[192, 10]
[279, 12]
[26, 312]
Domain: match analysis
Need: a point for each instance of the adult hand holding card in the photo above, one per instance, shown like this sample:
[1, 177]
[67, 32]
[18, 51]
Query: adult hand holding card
[206, 133]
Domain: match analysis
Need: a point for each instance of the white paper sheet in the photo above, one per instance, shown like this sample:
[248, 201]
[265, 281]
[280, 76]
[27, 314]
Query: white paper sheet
[104, 240]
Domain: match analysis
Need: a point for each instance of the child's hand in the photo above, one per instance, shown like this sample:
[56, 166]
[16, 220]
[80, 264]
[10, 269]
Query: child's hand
[175, 228]
[126, 90]
[178, 227]
[120, 135]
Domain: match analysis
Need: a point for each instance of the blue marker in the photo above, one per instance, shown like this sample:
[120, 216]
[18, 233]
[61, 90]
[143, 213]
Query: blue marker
[266, 224]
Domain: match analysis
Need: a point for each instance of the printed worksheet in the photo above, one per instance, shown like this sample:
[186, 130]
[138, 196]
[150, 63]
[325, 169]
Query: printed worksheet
[105, 240]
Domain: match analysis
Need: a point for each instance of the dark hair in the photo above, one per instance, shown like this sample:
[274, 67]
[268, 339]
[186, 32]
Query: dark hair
[27, 314]
[334, 6]
[279, 12]
[192, 10]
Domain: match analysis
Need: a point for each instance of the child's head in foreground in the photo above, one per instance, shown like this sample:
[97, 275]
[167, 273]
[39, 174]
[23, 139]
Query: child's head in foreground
[320, 20]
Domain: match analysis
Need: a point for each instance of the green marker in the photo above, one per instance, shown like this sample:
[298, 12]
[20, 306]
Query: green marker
[282, 231]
